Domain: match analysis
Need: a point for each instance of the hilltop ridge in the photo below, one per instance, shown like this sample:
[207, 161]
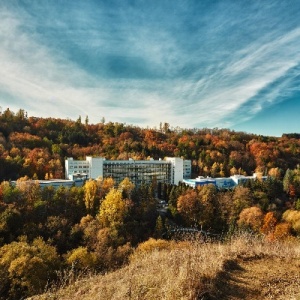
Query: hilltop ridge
[37, 147]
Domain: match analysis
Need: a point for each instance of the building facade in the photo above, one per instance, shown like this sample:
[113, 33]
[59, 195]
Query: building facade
[171, 170]
[221, 182]
[55, 183]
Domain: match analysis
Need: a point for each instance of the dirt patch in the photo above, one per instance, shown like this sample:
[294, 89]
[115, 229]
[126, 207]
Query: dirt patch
[259, 278]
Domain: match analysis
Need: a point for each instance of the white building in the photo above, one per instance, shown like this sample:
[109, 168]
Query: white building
[221, 182]
[55, 183]
[187, 168]
[171, 170]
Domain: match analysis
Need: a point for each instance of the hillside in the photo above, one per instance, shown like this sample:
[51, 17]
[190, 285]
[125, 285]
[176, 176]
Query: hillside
[37, 147]
[244, 268]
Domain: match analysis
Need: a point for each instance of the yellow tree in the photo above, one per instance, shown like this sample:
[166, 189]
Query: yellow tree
[275, 172]
[233, 171]
[105, 185]
[126, 187]
[215, 169]
[26, 268]
[90, 193]
[81, 258]
[112, 209]
[292, 217]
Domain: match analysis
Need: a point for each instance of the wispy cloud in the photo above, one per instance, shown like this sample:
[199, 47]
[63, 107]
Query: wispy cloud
[244, 77]
[201, 65]
[34, 74]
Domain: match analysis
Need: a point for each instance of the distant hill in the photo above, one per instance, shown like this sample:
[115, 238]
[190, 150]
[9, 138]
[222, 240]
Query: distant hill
[37, 147]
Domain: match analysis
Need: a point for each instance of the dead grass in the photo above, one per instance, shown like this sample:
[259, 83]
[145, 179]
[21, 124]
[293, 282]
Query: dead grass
[260, 270]
[191, 270]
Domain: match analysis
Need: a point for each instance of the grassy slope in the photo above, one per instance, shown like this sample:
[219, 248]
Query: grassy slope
[261, 278]
[244, 268]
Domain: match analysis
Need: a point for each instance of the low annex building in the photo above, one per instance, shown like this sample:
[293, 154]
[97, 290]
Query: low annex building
[170, 170]
[221, 182]
[55, 183]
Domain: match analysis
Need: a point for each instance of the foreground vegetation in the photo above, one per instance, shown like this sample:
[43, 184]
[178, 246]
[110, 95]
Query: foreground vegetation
[98, 226]
[192, 270]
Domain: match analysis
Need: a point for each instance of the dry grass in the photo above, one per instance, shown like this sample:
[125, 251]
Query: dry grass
[190, 270]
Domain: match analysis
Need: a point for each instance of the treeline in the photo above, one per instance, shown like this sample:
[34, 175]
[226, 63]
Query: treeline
[37, 147]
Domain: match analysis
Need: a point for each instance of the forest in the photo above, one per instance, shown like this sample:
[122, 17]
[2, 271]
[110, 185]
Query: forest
[44, 231]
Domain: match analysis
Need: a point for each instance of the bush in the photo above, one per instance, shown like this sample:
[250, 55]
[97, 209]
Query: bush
[81, 258]
[293, 218]
[26, 268]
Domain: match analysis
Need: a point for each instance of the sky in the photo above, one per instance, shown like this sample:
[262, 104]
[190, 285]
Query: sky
[193, 64]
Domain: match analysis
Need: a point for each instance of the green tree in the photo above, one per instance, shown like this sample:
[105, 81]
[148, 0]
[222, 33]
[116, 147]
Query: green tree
[288, 182]
[297, 204]
[9, 193]
[10, 224]
[56, 149]
[142, 214]
[159, 228]
[210, 217]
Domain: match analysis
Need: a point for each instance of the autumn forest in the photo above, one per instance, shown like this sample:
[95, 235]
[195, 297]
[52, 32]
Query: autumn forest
[98, 226]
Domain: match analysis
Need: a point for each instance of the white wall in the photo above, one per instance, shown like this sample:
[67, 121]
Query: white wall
[96, 167]
[177, 169]
[76, 167]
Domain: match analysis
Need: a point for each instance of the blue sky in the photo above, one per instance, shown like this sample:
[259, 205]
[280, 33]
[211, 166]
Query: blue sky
[226, 64]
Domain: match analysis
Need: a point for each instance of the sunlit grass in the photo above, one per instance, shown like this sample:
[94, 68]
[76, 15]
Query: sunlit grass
[174, 270]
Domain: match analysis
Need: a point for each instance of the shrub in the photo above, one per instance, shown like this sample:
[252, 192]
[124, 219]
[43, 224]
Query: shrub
[81, 258]
[293, 218]
[26, 268]
[282, 230]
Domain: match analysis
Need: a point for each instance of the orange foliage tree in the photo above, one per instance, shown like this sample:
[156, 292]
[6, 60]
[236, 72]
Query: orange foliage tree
[269, 224]
[251, 217]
